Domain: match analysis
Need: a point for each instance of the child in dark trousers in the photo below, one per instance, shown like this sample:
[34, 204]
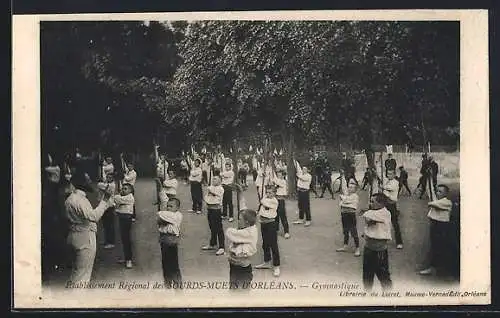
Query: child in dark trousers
[377, 234]
[281, 192]
[124, 209]
[213, 198]
[169, 225]
[403, 180]
[108, 218]
[242, 246]
[439, 218]
[349, 201]
[267, 214]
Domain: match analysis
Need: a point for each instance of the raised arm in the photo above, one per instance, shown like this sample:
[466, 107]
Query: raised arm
[92, 214]
[304, 177]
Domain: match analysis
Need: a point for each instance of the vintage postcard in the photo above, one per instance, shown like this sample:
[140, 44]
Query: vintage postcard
[251, 159]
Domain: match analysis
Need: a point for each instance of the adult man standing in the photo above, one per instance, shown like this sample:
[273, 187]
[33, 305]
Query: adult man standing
[83, 226]
[390, 163]
[434, 168]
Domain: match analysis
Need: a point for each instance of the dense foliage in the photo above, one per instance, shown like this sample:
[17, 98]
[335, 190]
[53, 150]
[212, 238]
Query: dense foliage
[307, 82]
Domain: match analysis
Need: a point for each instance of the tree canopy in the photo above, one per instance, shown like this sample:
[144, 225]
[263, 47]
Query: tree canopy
[320, 82]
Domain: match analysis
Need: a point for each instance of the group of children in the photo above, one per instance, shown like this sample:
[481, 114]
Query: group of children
[272, 189]
[122, 193]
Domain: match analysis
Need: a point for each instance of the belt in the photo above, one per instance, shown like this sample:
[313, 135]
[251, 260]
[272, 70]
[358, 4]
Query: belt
[302, 189]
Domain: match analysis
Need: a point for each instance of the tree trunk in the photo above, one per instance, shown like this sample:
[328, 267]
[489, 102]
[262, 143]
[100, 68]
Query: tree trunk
[235, 170]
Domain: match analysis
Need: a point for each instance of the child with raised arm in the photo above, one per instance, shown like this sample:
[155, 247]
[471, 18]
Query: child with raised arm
[439, 217]
[124, 210]
[130, 177]
[169, 221]
[349, 201]
[303, 187]
[107, 168]
[377, 234]
[391, 189]
[242, 246]
[108, 218]
[227, 201]
[195, 177]
[267, 217]
[170, 185]
[213, 198]
[281, 192]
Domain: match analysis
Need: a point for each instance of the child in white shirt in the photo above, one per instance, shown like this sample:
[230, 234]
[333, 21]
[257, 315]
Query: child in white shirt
[130, 177]
[242, 246]
[124, 203]
[303, 187]
[281, 192]
[170, 185]
[108, 218]
[267, 216]
[391, 189]
[377, 233]
[195, 178]
[169, 221]
[349, 201]
[213, 198]
[227, 201]
[439, 217]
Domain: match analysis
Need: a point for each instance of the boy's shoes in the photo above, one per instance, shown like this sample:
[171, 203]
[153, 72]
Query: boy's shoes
[308, 223]
[198, 212]
[191, 211]
[341, 249]
[287, 235]
[230, 219]
[208, 248]
[265, 265]
[399, 246]
[224, 217]
[357, 252]
[298, 222]
[109, 246]
[427, 271]
[133, 219]
[276, 271]
[128, 264]
[219, 252]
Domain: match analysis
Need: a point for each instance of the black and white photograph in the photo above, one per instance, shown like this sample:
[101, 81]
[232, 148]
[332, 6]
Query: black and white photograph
[319, 161]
